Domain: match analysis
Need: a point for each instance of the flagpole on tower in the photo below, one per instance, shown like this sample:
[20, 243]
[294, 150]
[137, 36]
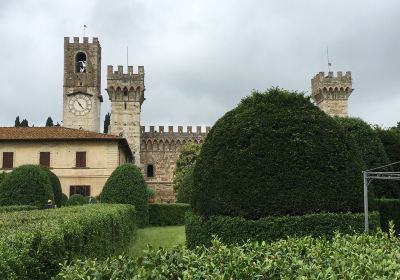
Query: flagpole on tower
[84, 30]
[329, 63]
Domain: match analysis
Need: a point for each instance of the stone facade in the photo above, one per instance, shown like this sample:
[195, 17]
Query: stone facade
[82, 79]
[331, 93]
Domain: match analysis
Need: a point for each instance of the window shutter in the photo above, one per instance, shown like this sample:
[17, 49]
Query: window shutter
[8, 160]
[44, 159]
[80, 159]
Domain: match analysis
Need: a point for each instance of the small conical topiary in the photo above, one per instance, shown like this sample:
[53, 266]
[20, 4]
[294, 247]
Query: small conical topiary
[126, 185]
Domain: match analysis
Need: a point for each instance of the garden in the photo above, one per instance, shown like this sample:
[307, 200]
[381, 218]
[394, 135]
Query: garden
[274, 192]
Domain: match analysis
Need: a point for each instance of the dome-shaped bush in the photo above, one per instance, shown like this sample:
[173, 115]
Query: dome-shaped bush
[55, 185]
[26, 185]
[76, 199]
[126, 185]
[184, 194]
[274, 154]
[64, 199]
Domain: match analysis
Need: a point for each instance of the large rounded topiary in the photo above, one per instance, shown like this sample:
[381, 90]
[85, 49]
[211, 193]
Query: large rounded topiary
[277, 153]
[26, 185]
[55, 185]
[126, 185]
[76, 199]
[184, 194]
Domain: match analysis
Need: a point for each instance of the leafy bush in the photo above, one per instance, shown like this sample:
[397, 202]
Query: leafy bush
[55, 185]
[373, 154]
[76, 199]
[167, 214]
[126, 185]
[90, 200]
[187, 158]
[389, 210]
[391, 141]
[150, 193]
[33, 243]
[26, 185]
[276, 154]
[342, 257]
[233, 230]
[186, 187]
[64, 199]
[2, 176]
[15, 208]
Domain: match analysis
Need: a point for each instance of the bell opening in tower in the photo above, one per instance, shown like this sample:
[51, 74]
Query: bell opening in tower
[80, 62]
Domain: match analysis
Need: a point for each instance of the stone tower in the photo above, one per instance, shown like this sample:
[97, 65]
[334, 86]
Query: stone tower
[82, 77]
[331, 93]
[126, 93]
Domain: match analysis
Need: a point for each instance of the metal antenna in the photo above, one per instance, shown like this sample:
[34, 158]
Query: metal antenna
[329, 63]
[127, 57]
[84, 30]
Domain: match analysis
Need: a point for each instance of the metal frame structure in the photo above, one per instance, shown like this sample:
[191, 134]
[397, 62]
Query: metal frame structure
[370, 175]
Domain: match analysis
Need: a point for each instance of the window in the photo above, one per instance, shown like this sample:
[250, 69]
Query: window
[8, 160]
[44, 159]
[125, 92]
[150, 170]
[83, 190]
[80, 159]
[80, 63]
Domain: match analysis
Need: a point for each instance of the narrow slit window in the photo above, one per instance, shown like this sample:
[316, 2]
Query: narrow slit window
[150, 170]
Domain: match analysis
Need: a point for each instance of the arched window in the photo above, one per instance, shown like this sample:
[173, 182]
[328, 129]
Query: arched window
[80, 63]
[150, 170]
[125, 91]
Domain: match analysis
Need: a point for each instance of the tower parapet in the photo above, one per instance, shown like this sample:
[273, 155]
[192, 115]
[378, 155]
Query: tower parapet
[331, 93]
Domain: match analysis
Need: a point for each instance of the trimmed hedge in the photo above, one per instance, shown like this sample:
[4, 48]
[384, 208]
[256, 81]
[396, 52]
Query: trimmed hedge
[275, 154]
[76, 199]
[126, 185]
[32, 244]
[55, 185]
[185, 190]
[389, 210]
[26, 185]
[231, 230]
[342, 257]
[14, 208]
[167, 214]
[2, 176]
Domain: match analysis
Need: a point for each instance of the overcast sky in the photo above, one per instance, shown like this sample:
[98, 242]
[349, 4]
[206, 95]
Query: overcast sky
[202, 57]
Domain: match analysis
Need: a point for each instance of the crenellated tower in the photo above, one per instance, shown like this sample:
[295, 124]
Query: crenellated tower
[331, 93]
[126, 93]
[82, 77]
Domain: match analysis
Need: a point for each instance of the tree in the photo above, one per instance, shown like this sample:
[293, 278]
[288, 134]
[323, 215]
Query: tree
[185, 190]
[391, 141]
[49, 122]
[107, 120]
[17, 122]
[24, 123]
[187, 157]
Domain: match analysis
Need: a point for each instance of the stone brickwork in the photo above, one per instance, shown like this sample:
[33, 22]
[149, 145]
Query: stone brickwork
[126, 93]
[82, 78]
[160, 149]
[331, 93]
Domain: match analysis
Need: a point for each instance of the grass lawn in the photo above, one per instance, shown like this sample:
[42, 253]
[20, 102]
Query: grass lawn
[165, 237]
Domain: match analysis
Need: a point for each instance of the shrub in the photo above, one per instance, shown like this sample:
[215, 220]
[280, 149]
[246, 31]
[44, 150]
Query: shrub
[389, 210]
[32, 244]
[187, 158]
[2, 176]
[185, 190]
[233, 230]
[342, 257]
[167, 214]
[76, 199]
[276, 154]
[126, 185]
[26, 185]
[64, 199]
[150, 193]
[391, 141]
[90, 200]
[55, 185]
[15, 208]
[373, 153]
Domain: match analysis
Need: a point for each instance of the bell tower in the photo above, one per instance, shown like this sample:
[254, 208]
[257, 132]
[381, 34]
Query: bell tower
[126, 93]
[82, 77]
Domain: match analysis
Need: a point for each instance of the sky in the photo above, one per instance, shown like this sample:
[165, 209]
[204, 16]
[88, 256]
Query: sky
[202, 57]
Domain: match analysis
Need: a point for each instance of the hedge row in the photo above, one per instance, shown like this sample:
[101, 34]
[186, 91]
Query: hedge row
[342, 257]
[33, 244]
[231, 230]
[14, 208]
[167, 214]
[389, 210]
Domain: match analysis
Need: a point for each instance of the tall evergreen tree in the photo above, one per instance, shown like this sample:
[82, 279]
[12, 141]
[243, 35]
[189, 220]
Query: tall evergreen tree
[49, 122]
[17, 122]
[107, 122]
[24, 123]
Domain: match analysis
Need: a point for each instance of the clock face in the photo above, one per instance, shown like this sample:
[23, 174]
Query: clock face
[80, 105]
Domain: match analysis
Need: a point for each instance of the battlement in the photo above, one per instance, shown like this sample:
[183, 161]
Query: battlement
[324, 83]
[119, 73]
[339, 75]
[77, 41]
[172, 130]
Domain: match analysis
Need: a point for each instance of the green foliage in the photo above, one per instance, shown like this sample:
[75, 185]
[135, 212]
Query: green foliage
[2, 176]
[14, 208]
[150, 193]
[26, 185]
[187, 158]
[64, 199]
[231, 230]
[107, 120]
[17, 122]
[391, 141]
[389, 210]
[167, 214]
[55, 185]
[76, 199]
[126, 185]
[90, 200]
[373, 153]
[24, 123]
[49, 122]
[32, 244]
[276, 154]
[342, 257]
[185, 190]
